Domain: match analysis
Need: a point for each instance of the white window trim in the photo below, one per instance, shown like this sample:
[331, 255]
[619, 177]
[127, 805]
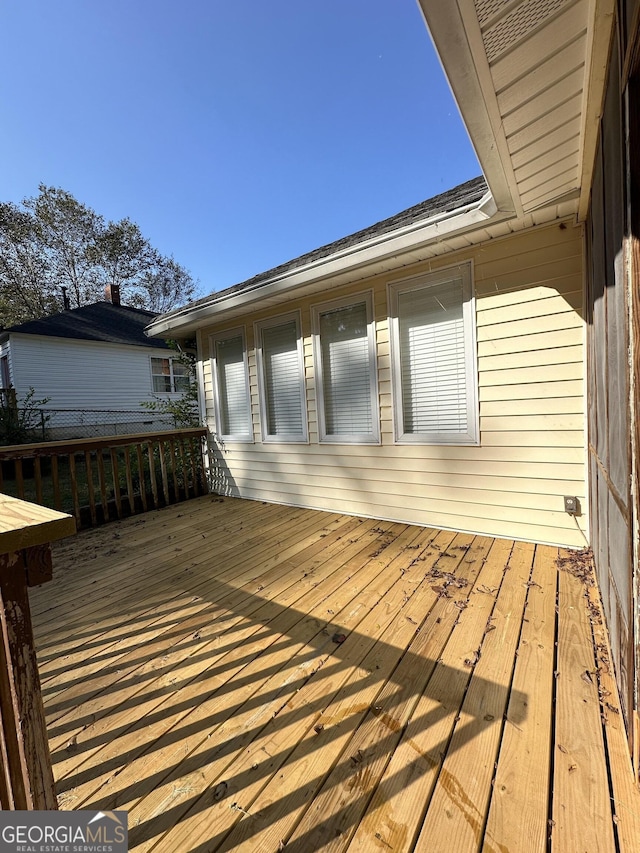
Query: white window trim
[472, 437]
[171, 359]
[285, 438]
[316, 311]
[246, 438]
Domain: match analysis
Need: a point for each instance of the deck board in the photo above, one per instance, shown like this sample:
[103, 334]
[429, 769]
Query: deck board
[459, 805]
[581, 786]
[240, 676]
[519, 805]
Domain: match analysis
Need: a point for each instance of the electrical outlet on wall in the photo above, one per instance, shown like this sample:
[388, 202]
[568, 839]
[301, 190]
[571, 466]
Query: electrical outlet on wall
[571, 505]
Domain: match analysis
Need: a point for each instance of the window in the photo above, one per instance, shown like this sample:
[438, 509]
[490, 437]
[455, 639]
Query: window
[281, 373]
[169, 375]
[434, 358]
[346, 377]
[5, 375]
[231, 386]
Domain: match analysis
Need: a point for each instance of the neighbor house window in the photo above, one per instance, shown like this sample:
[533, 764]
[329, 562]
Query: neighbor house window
[231, 386]
[433, 345]
[5, 375]
[346, 376]
[281, 374]
[169, 375]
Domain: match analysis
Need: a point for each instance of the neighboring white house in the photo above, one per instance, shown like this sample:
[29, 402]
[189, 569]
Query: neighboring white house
[95, 367]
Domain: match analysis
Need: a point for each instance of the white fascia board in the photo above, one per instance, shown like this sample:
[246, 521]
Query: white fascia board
[455, 33]
[396, 242]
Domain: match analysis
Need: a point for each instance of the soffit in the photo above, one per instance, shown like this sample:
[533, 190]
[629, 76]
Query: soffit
[528, 76]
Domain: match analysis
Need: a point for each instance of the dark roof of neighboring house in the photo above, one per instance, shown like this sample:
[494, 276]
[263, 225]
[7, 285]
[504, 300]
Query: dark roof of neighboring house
[464, 194]
[101, 321]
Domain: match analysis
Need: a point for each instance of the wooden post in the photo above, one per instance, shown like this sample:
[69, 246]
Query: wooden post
[103, 486]
[37, 475]
[28, 778]
[194, 450]
[19, 479]
[90, 490]
[162, 446]
[633, 166]
[142, 478]
[185, 475]
[57, 498]
[172, 456]
[152, 474]
[115, 475]
[130, 492]
[74, 486]
[26, 529]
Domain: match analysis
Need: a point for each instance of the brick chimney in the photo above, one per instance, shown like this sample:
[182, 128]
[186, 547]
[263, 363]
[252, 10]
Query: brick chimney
[112, 294]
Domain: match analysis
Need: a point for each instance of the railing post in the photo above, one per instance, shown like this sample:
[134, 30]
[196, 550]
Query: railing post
[28, 778]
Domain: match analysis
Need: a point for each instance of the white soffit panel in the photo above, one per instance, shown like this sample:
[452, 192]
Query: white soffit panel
[536, 51]
[536, 91]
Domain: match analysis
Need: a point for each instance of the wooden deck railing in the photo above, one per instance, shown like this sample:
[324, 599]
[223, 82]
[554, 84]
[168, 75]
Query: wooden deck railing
[101, 479]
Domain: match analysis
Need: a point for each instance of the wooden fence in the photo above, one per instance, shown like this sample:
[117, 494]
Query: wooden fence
[100, 479]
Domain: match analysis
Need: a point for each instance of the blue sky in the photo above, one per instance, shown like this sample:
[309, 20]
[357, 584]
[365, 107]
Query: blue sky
[238, 135]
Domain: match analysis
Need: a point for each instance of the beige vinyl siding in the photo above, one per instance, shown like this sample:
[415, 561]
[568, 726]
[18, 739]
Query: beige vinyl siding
[528, 290]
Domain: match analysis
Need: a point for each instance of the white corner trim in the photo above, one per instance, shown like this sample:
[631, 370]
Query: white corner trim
[202, 398]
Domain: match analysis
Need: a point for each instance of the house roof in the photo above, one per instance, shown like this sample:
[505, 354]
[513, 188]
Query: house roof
[460, 196]
[100, 321]
[435, 210]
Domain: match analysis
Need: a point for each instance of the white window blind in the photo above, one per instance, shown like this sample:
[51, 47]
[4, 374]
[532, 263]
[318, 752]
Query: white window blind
[234, 412]
[283, 382]
[435, 345]
[345, 345]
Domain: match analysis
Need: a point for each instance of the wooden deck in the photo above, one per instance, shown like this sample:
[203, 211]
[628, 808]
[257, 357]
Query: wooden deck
[242, 676]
